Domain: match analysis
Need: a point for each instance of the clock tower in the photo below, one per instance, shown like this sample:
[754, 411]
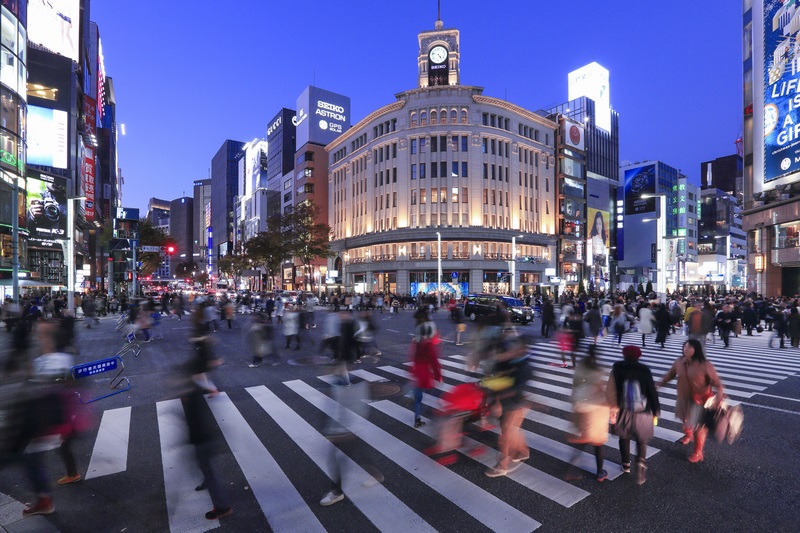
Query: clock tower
[438, 60]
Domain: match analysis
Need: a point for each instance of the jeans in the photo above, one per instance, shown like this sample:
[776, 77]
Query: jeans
[417, 403]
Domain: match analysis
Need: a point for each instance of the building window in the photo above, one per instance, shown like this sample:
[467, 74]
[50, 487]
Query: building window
[485, 145]
[485, 196]
[454, 198]
[443, 195]
[423, 196]
[413, 146]
[422, 171]
[413, 197]
[486, 171]
[464, 166]
[464, 143]
[434, 144]
[455, 143]
[434, 170]
[434, 195]
[464, 195]
[413, 172]
[394, 175]
[394, 199]
[454, 169]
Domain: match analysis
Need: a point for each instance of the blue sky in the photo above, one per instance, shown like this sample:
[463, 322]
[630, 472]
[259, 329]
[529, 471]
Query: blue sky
[189, 75]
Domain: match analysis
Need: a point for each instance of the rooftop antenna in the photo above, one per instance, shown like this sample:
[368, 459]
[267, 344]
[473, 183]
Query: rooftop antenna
[438, 10]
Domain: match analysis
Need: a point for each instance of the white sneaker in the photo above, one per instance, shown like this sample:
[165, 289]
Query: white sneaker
[331, 497]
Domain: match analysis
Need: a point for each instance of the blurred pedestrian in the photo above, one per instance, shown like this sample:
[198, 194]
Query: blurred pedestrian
[646, 322]
[663, 322]
[696, 377]
[590, 411]
[635, 408]
[511, 365]
[201, 426]
[425, 367]
[260, 341]
[291, 328]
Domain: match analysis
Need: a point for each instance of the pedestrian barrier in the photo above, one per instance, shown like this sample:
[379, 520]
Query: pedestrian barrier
[101, 366]
[132, 345]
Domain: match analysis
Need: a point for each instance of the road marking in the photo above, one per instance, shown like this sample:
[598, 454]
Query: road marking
[280, 502]
[186, 507]
[110, 453]
[480, 504]
[376, 502]
[529, 477]
[392, 330]
[779, 397]
[771, 408]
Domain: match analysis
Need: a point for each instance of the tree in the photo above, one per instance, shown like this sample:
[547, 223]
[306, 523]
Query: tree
[309, 239]
[269, 249]
[184, 269]
[150, 235]
[231, 266]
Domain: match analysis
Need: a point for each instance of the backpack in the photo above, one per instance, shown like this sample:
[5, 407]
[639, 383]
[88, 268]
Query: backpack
[632, 397]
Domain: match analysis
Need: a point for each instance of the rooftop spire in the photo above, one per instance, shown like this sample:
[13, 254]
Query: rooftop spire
[439, 24]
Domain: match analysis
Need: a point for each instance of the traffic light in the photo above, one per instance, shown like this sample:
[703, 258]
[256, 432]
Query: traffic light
[170, 250]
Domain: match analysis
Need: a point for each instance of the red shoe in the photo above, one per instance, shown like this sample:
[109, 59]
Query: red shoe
[43, 505]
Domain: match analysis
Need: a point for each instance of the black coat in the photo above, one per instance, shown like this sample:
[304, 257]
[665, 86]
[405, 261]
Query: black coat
[629, 369]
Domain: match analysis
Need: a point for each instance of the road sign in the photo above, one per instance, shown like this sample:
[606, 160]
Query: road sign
[151, 249]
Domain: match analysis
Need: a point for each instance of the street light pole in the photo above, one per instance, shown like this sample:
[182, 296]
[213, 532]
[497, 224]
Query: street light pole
[513, 269]
[15, 242]
[71, 253]
[439, 268]
[661, 231]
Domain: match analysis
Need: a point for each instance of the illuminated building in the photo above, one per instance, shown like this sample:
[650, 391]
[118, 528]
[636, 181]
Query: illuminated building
[771, 210]
[442, 160]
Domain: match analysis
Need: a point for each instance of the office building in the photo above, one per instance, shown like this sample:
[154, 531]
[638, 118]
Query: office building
[224, 188]
[201, 222]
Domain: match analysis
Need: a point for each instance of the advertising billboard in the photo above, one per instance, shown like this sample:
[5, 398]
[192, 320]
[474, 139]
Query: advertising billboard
[639, 181]
[55, 26]
[781, 90]
[47, 137]
[46, 206]
[597, 238]
[591, 81]
[89, 182]
[321, 116]
[572, 133]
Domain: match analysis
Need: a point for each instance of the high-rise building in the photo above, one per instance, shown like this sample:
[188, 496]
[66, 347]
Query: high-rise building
[656, 226]
[181, 228]
[771, 214]
[444, 175]
[724, 174]
[157, 210]
[202, 222]
[281, 136]
[252, 200]
[224, 188]
[13, 74]
[588, 177]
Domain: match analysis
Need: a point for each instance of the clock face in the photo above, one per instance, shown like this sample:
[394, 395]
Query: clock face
[438, 54]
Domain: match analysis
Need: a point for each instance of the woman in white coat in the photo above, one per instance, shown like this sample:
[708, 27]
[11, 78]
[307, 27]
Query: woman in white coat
[645, 322]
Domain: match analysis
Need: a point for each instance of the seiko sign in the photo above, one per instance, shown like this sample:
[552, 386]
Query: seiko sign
[274, 125]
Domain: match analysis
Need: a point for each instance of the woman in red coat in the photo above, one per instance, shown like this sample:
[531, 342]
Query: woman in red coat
[425, 358]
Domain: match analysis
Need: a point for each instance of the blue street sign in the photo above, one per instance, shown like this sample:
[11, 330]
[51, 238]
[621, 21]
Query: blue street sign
[94, 367]
[454, 275]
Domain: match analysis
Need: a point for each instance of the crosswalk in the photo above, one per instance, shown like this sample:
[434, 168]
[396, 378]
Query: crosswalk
[384, 426]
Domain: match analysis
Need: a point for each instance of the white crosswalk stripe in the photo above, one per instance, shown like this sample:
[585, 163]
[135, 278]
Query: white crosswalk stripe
[386, 426]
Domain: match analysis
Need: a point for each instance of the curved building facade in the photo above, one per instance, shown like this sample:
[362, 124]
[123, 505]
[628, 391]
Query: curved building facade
[443, 164]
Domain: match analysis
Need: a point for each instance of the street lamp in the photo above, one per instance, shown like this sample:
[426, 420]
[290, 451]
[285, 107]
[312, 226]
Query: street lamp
[71, 253]
[661, 231]
[514, 263]
[439, 268]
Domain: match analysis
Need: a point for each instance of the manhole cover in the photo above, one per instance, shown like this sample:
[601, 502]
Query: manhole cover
[312, 360]
[383, 389]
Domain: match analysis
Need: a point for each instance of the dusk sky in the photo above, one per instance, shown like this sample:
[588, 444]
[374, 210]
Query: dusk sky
[189, 75]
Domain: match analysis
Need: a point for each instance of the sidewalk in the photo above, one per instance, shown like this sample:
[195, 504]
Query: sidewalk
[12, 521]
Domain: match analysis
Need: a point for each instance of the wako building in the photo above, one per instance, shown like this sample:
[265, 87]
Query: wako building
[443, 168]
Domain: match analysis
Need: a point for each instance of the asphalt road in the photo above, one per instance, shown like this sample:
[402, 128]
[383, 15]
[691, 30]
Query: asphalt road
[275, 461]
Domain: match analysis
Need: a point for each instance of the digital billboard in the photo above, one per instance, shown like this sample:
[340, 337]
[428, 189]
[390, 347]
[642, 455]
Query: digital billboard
[591, 81]
[47, 137]
[597, 242]
[781, 90]
[46, 206]
[55, 26]
[321, 116]
[639, 181]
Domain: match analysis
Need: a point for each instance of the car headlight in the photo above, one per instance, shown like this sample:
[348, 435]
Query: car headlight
[517, 311]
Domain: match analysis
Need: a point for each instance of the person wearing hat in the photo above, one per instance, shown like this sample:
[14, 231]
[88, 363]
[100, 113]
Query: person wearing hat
[634, 403]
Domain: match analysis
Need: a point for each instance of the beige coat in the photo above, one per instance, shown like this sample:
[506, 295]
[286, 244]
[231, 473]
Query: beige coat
[589, 405]
[691, 380]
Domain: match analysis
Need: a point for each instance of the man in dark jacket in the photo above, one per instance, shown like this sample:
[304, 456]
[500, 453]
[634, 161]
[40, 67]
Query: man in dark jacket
[632, 396]
[548, 317]
[749, 318]
[724, 322]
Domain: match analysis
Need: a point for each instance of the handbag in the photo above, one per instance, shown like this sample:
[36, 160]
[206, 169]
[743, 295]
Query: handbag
[724, 421]
[624, 427]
